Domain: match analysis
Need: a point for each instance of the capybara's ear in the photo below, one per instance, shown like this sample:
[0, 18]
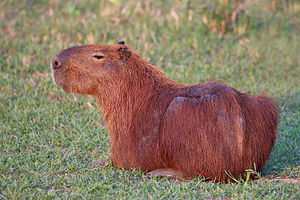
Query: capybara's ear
[121, 42]
[124, 53]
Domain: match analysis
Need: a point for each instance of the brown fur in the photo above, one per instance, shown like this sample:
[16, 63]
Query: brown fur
[207, 129]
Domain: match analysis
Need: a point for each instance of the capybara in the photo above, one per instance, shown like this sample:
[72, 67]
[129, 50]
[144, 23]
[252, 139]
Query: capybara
[167, 128]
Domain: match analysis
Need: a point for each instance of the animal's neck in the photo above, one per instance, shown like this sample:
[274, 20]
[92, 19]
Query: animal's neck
[133, 108]
[129, 97]
[134, 87]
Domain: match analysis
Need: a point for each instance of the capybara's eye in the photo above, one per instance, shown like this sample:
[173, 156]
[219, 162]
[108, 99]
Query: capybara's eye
[98, 57]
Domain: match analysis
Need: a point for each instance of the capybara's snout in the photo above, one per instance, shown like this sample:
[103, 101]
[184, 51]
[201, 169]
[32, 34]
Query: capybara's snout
[60, 59]
[56, 63]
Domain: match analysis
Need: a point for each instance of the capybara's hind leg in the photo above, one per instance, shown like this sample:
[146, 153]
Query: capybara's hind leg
[167, 172]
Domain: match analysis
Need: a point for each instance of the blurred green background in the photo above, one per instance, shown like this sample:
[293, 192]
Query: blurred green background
[50, 138]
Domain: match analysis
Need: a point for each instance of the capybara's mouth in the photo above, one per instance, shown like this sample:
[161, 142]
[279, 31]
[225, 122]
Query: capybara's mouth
[58, 81]
[54, 77]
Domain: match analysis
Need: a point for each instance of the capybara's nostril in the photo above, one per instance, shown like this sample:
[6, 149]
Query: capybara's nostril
[55, 64]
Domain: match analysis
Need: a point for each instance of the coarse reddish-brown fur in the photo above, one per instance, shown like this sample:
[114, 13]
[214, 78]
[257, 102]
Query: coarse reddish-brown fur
[155, 123]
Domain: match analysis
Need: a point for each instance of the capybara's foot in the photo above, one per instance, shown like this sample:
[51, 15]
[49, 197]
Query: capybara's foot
[167, 172]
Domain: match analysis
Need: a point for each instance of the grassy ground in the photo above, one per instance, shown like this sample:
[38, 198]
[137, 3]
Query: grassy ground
[49, 138]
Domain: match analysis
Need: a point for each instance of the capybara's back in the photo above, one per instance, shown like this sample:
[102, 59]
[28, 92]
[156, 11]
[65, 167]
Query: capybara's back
[164, 127]
[218, 132]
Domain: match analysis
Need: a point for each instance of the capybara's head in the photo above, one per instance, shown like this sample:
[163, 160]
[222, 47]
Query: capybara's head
[81, 69]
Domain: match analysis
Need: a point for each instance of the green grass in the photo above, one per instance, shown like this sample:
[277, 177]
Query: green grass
[48, 138]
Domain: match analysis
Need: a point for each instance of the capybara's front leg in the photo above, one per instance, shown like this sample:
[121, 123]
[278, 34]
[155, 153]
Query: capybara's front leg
[167, 172]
